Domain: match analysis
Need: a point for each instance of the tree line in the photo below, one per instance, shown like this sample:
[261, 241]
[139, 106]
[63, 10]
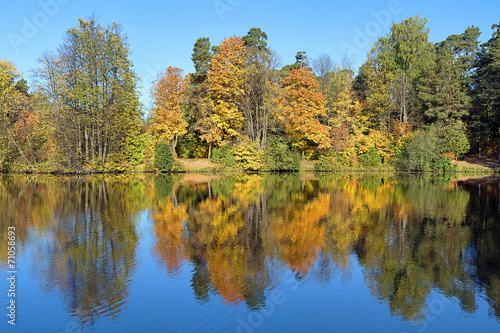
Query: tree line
[412, 104]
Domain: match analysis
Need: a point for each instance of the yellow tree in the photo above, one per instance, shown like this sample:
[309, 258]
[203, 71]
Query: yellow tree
[302, 106]
[299, 232]
[223, 120]
[168, 227]
[17, 122]
[169, 96]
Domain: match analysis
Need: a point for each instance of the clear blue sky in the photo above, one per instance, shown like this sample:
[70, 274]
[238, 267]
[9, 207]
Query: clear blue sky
[162, 33]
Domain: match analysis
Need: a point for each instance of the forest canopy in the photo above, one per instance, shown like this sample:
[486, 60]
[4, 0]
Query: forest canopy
[412, 104]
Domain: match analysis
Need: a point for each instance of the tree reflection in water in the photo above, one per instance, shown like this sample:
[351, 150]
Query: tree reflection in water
[85, 236]
[411, 235]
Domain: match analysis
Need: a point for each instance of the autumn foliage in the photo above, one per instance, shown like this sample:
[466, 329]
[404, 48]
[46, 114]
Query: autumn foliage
[301, 107]
[169, 97]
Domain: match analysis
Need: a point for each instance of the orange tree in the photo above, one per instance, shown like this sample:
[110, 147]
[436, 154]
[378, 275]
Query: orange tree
[301, 106]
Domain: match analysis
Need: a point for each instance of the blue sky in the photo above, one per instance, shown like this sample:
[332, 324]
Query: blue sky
[162, 33]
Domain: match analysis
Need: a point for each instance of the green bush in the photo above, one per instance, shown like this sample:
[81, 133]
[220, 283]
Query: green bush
[178, 167]
[371, 159]
[279, 156]
[455, 139]
[424, 152]
[223, 155]
[443, 163]
[138, 147]
[163, 157]
[326, 163]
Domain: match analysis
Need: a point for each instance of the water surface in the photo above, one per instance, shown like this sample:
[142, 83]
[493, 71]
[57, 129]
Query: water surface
[252, 253]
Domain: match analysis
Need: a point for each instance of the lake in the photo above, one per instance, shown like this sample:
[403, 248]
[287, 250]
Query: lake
[250, 253]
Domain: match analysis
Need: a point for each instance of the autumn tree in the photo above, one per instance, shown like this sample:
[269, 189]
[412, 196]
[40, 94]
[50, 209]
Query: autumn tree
[13, 106]
[169, 98]
[24, 132]
[260, 86]
[301, 106]
[222, 119]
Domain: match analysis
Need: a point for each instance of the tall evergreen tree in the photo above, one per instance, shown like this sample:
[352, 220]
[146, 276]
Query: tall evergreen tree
[445, 86]
[485, 119]
[201, 59]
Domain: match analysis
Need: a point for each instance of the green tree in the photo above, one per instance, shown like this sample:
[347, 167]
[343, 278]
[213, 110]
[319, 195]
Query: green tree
[445, 88]
[201, 57]
[256, 38]
[300, 61]
[93, 93]
[163, 156]
[373, 85]
[455, 138]
[485, 118]
[405, 52]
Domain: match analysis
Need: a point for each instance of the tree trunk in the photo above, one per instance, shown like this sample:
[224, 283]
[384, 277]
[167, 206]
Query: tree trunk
[29, 141]
[19, 149]
[174, 144]
[86, 134]
[479, 145]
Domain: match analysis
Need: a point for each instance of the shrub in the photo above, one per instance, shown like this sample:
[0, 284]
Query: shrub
[279, 156]
[371, 158]
[419, 153]
[455, 139]
[140, 149]
[248, 156]
[443, 163]
[326, 163]
[163, 157]
[424, 152]
[223, 155]
[178, 166]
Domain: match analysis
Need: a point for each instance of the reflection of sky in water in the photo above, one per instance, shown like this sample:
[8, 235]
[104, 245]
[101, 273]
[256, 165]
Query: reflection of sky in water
[326, 298]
